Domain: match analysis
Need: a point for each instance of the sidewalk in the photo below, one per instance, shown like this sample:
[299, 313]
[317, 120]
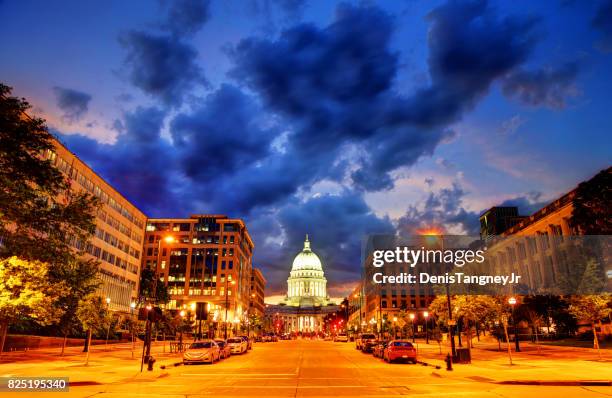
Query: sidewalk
[107, 364]
[551, 365]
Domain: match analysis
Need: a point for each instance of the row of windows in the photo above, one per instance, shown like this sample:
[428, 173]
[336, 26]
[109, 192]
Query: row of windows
[86, 183]
[186, 227]
[118, 243]
[111, 258]
[119, 226]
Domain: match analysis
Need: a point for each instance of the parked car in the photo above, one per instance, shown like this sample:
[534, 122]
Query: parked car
[248, 341]
[368, 345]
[202, 351]
[258, 339]
[363, 338]
[224, 348]
[270, 337]
[237, 345]
[400, 350]
[342, 337]
[379, 349]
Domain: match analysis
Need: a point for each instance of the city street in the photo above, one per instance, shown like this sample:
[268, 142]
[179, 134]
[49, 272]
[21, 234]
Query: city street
[316, 368]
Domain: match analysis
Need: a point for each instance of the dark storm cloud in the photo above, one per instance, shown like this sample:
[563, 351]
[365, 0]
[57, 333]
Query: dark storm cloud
[337, 82]
[138, 164]
[73, 103]
[224, 134]
[469, 48]
[544, 87]
[186, 17]
[602, 21]
[162, 66]
[442, 209]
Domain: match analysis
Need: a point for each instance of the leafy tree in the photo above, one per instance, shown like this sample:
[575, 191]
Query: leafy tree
[93, 314]
[591, 213]
[25, 292]
[39, 212]
[147, 280]
[82, 278]
[592, 308]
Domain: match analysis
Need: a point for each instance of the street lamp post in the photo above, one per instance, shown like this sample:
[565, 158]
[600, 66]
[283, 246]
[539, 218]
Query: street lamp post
[226, 304]
[394, 327]
[426, 316]
[149, 307]
[146, 347]
[512, 302]
[108, 300]
[412, 316]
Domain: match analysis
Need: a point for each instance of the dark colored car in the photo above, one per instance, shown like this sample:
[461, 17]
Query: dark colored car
[400, 350]
[368, 345]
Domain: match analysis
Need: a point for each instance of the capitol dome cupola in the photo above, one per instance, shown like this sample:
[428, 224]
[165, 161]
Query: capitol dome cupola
[306, 259]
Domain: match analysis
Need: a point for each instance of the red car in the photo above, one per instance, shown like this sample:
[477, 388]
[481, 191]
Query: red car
[400, 350]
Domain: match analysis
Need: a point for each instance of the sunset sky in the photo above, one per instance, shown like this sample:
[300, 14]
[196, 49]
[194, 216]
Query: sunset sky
[332, 119]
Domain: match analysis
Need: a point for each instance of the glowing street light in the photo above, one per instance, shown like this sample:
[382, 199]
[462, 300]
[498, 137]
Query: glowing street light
[512, 302]
[108, 300]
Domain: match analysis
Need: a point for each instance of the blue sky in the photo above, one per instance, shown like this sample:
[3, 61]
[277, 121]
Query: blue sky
[333, 119]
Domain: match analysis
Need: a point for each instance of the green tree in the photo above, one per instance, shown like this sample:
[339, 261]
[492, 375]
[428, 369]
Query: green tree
[39, 213]
[25, 291]
[593, 308]
[81, 276]
[147, 281]
[591, 212]
[93, 314]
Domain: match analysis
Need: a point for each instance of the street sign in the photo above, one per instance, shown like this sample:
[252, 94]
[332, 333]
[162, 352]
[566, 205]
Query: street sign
[451, 322]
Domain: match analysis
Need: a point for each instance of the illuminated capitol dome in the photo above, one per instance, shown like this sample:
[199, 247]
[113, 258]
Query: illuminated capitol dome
[306, 283]
[306, 302]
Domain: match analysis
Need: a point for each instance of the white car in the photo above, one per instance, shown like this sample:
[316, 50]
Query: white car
[237, 345]
[202, 351]
[342, 337]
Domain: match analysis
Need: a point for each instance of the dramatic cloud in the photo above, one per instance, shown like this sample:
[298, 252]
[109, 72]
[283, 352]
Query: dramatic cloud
[544, 87]
[73, 103]
[602, 21]
[469, 48]
[443, 210]
[138, 164]
[224, 134]
[314, 103]
[186, 17]
[162, 66]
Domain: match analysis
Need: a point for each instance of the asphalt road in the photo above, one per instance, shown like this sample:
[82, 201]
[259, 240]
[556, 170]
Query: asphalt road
[313, 369]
